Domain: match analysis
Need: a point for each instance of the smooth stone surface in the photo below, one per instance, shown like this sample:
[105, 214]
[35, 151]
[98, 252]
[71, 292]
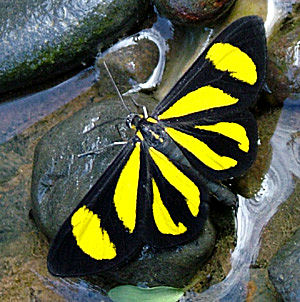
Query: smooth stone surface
[243, 8]
[250, 183]
[60, 178]
[284, 58]
[260, 289]
[284, 269]
[193, 11]
[129, 65]
[40, 39]
[171, 267]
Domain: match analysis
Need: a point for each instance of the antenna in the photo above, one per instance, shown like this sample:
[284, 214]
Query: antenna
[144, 108]
[118, 91]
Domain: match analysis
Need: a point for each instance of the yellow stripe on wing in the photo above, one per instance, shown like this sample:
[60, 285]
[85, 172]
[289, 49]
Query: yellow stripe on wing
[178, 180]
[204, 98]
[226, 57]
[201, 151]
[232, 130]
[162, 218]
[90, 237]
[125, 197]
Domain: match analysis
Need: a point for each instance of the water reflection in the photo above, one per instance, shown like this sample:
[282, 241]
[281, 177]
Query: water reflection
[76, 291]
[19, 114]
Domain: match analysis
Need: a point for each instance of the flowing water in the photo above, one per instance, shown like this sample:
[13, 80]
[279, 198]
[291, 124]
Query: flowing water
[254, 213]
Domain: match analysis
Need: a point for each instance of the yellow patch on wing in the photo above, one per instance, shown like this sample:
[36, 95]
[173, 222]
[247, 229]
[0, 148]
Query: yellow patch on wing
[139, 135]
[151, 120]
[125, 197]
[90, 237]
[203, 98]
[227, 57]
[162, 218]
[178, 180]
[232, 130]
[201, 151]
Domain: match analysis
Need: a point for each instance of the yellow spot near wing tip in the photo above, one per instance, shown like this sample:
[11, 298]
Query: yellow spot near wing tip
[162, 218]
[232, 130]
[125, 197]
[90, 237]
[227, 57]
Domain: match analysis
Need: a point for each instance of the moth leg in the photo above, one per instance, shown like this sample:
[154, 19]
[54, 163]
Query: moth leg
[96, 123]
[144, 108]
[221, 192]
[122, 130]
[100, 150]
[266, 88]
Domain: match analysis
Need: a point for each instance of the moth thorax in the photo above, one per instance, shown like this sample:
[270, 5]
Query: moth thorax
[133, 120]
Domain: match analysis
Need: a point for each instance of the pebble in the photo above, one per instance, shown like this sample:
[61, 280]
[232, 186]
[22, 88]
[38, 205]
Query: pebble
[193, 11]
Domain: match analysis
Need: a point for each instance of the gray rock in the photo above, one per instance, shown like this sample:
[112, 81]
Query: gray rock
[283, 48]
[40, 39]
[129, 65]
[284, 269]
[193, 12]
[61, 179]
[260, 289]
[171, 267]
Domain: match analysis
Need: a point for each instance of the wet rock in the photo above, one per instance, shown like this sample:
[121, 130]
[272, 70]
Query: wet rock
[128, 65]
[250, 183]
[218, 265]
[193, 12]
[9, 164]
[61, 179]
[40, 39]
[285, 221]
[243, 8]
[260, 289]
[284, 58]
[174, 267]
[284, 269]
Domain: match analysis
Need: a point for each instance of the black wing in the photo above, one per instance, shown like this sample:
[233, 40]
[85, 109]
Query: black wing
[102, 231]
[177, 201]
[248, 35]
[207, 114]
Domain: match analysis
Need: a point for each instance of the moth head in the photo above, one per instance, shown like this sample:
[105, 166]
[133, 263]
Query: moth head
[133, 120]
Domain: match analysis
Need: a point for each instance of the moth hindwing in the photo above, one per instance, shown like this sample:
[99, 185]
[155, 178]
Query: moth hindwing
[152, 193]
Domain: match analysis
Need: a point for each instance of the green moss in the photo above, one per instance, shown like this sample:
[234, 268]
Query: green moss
[79, 44]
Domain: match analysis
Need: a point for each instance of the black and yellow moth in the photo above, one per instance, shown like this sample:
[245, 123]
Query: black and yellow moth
[153, 192]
